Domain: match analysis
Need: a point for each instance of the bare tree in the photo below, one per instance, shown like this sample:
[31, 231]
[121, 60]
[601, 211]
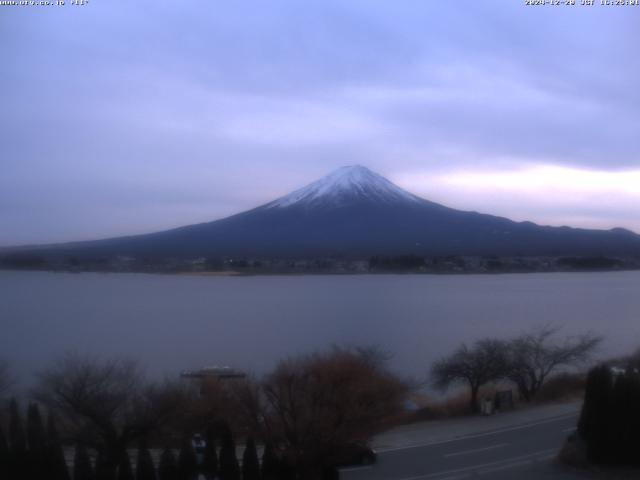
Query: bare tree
[477, 365]
[107, 402]
[535, 355]
[310, 407]
[633, 362]
[6, 378]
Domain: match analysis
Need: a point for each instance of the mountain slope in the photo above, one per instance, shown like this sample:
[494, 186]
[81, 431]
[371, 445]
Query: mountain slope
[356, 212]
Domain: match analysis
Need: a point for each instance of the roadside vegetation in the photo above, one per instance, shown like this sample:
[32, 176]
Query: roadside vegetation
[607, 433]
[304, 415]
[297, 422]
[526, 362]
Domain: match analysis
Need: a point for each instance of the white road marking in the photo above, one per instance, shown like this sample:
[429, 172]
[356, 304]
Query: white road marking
[519, 463]
[478, 435]
[567, 430]
[455, 477]
[355, 469]
[475, 450]
[507, 463]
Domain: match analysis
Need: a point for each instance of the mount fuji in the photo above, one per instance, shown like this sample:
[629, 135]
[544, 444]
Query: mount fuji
[344, 186]
[357, 213]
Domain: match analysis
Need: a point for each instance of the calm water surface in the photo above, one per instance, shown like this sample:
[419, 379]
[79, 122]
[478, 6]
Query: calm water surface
[175, 322]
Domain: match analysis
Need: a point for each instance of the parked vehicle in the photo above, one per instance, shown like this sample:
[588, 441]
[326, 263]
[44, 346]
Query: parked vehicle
[355, 454]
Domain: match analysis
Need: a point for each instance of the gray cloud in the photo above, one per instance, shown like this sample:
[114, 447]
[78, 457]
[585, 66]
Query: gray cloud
[124, 117]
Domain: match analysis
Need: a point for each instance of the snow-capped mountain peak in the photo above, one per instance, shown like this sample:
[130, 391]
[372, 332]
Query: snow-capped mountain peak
[343, 186]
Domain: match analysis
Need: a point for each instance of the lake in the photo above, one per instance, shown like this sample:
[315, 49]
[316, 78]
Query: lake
[176, 322]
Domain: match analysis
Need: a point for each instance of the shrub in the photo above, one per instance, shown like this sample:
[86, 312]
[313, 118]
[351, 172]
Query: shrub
[562, 386]
[168, 468]
[4, 456]
[270, 463]
[210, 460]
[593, 425]
[124, 468]
[144, 467]
[82, 469]
[36, 439]
[187, 463]
[55, 453]
[17, 443]
[610, 418]
[229, 468]
[104, 469]
[250, 463]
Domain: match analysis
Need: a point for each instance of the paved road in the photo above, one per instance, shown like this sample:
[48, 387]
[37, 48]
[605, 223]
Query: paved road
[522, 452]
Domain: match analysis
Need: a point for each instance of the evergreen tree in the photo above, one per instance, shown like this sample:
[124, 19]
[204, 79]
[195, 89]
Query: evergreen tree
[593, 425]
[330, 473]
[124, 467]
[270, 464]
[168, 468]
[144, 468]
[623, 426]
[55, 453]
[104, 469]
[4, 456]
[36, 437]
[250, 462]
[229, 468]
[610, 418]
[82, 469]
[614, 421]
[187, 462]
[36, 440]
[210, 461]
[18, 464]
[634, 420]
[287, 471]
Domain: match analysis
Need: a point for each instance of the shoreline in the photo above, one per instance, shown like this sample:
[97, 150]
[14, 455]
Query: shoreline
[236, 273]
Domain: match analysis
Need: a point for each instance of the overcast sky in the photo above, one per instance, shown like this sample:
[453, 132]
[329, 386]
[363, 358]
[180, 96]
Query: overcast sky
[124, 117]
